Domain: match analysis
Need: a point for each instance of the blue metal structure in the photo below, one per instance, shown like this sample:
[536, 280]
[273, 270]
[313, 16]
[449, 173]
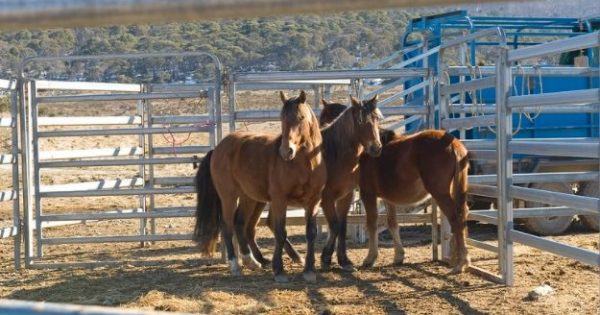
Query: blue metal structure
[520, 31]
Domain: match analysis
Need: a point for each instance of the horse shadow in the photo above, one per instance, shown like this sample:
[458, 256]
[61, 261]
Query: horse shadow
[132, 286]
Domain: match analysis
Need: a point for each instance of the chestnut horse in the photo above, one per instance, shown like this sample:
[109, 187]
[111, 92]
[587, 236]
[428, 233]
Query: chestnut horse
[409, 169]
[284, 170]
[344, 140]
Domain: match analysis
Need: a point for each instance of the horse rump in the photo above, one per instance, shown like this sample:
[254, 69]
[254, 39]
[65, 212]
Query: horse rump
[208, 209]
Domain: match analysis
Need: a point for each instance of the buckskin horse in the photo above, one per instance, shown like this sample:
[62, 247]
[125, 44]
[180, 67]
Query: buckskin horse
[284, 170]
[409, 169]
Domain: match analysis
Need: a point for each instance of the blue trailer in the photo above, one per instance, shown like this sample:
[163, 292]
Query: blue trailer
[431, 31]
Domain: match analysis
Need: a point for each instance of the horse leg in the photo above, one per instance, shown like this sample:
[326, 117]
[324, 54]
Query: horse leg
[310, 274]
[460, 257]
[328, 205]
[287, 245]
[342, 208]
[245, 210]
[229, 209]
[370, 203]
[278, 213]
[392, 224]
[251, 234]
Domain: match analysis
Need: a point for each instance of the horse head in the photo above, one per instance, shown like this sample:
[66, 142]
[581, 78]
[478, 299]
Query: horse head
[366, 118]
[299, 126]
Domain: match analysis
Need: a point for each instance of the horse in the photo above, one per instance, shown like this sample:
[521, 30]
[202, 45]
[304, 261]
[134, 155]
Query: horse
[345, 139]
[257, 168]
[409, 170]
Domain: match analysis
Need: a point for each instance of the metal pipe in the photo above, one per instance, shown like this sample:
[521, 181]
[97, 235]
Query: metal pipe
[115, 97]
[556, 198]
[122, 162]
[583, 255]
[556, 47]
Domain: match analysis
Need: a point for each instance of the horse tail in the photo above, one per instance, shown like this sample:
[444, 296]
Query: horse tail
[208, 209]
[460, 180]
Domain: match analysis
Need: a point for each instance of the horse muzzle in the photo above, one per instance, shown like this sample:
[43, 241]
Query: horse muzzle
[287, 153]
[374, 150]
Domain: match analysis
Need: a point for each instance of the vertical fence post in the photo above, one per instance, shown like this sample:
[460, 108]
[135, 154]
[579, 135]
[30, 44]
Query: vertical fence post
[462, 60]
[504, 158]
[146, 120]
[443, 100]
[14, 130]
[231, 102]
[430, 103]
[37, 178]
[24, 87]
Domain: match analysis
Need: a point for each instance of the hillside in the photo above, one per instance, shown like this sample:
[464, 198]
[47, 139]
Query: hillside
[274, 43]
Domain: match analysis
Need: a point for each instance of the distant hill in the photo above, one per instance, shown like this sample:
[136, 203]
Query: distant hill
[337, 41]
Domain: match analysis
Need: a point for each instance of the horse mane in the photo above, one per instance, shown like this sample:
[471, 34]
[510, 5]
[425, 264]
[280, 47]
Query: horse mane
[334, 111]
[338, 135]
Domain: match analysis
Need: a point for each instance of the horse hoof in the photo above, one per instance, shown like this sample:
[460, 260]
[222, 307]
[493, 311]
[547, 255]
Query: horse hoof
[298, 260]
[310, 276]
[266, 265]
[398, 262]
[348, 268]
[251, 263]
[325, 264]
[367, 264]
[457, 270]
[281, 278]
[236, 273]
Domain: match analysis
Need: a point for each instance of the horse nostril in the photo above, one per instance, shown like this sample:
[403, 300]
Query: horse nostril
[290, 152]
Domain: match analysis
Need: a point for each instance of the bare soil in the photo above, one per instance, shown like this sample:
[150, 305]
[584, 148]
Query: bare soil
[173, 276]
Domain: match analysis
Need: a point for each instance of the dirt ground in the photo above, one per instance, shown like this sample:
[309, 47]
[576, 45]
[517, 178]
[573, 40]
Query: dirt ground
[173, 276]
[181, 280]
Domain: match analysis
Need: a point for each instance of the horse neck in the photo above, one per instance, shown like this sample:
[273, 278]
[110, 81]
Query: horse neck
[340, 139]
[313, 141]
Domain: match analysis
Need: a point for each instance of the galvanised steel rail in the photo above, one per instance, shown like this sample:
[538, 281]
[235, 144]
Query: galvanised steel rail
[14, 231]
[144, 156]
[295, 79]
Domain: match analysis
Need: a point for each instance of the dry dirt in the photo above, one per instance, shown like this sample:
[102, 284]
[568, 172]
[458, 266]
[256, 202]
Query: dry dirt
[172, 276]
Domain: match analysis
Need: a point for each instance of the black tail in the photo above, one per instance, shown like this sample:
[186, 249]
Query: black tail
[208, 210]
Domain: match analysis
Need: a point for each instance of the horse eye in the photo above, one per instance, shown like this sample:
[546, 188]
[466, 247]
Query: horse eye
[300, 117]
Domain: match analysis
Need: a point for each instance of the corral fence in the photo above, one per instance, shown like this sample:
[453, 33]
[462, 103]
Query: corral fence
[9, 125]
[455, 106]
[460, 110]
[588, 148]
[135, 159]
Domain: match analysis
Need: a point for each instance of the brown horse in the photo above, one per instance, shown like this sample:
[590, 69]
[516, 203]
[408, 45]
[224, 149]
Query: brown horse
[344, 140]
[410, 168]
[283, 170]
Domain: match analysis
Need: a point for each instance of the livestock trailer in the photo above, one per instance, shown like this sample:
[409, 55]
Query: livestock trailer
[472, 60]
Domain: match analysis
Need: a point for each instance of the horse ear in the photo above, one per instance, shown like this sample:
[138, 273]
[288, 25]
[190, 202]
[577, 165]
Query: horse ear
[302, 97]
[284, 97]
[374, 100]
[324, 102]
[355, 102]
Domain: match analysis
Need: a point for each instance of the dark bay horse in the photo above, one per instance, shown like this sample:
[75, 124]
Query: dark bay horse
[355, 131]
[283, 170]
[409, 169]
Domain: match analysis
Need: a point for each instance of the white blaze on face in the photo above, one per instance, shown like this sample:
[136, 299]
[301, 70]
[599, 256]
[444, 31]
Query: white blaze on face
[379, 114]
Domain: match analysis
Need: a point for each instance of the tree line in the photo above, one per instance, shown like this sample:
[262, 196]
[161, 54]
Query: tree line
[340, 41]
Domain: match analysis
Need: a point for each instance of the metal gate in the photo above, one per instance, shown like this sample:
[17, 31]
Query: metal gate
[141, 159]
[11, 159]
